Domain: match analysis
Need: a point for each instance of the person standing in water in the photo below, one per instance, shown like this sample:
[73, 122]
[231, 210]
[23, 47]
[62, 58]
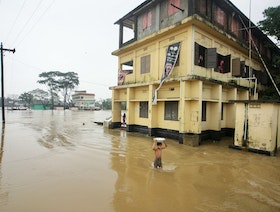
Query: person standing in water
[124, 118]
[158, 147]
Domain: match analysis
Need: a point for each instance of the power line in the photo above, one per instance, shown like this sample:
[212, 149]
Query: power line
[28, 65]
[17, 17]
[45, 11]
[26, 23]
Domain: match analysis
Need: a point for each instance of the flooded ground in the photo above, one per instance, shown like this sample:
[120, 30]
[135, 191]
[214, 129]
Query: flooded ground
[63, 161]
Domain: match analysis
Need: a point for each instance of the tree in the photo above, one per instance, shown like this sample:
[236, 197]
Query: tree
[58, 81]
[271, 24]
[67, 83]
[26, 98]
[40, 96]
[107, 104]
[50, 79]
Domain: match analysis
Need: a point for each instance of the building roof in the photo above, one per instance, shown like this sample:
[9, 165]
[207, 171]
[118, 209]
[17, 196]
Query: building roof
[129, 19]
[82, 93]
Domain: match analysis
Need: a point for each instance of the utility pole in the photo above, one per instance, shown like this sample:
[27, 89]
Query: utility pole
[2, 79]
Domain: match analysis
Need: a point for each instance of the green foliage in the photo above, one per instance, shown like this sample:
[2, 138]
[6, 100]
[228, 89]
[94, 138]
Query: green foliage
[105, 104]
[26, 98]
[40, 96]
[271, 24]
[67, 82]
[58, 81]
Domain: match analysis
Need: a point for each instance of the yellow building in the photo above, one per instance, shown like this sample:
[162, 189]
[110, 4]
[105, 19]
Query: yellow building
[182, 63]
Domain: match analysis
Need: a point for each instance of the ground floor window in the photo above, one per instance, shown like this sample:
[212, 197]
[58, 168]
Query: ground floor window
[171, 110]
[143, 111]
[203, 115]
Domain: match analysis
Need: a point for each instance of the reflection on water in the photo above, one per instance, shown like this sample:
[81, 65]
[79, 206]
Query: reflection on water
[63, 161]
[3, 194]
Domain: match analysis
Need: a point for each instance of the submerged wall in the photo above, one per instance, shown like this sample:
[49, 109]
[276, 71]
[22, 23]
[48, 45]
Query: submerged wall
[257, 126]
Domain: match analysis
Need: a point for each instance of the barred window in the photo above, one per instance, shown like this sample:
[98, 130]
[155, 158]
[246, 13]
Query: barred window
[171, 110]
[143, 113]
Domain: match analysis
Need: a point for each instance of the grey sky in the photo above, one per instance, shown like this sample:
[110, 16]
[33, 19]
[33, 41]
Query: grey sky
[68, 35]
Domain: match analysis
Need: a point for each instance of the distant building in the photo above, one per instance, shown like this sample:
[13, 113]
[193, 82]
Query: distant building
[185, 61]
[38, 106]
[84, 100]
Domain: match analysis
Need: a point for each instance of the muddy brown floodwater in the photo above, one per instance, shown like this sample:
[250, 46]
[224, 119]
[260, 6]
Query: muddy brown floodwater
[63, 161]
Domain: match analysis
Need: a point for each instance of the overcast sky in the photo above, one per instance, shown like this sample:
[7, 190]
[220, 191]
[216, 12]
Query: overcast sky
[67, 35]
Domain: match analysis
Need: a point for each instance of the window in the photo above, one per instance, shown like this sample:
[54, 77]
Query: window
[147, 20]
[244, 70]
[201, 7]
[203, 115]
[205, 57]
[145, 64]
[172, 4]
[220, 16]
[223, 64]
[209, 58]
[200, 55]
[127, 66]
[234, 26]
[171, 110]
[143, 113]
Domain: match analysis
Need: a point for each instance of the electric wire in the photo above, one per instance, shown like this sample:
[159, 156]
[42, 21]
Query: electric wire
[15, 21]
[39, 19]
[26, 23]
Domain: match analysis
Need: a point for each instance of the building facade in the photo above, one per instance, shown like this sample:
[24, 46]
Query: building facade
[183, 64]
[84, 100]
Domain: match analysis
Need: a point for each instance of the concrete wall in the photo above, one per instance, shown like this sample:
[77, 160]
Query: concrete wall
[257, 126]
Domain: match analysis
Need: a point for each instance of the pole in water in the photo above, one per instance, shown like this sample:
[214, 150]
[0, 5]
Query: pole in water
[2, 80]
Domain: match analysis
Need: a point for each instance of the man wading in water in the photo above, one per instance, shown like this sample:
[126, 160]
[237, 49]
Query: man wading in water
[158, 147]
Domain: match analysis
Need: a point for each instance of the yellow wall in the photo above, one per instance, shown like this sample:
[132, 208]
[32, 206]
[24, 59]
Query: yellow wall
[263, 128]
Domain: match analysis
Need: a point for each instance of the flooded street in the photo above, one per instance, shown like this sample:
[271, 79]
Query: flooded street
[63, 161]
